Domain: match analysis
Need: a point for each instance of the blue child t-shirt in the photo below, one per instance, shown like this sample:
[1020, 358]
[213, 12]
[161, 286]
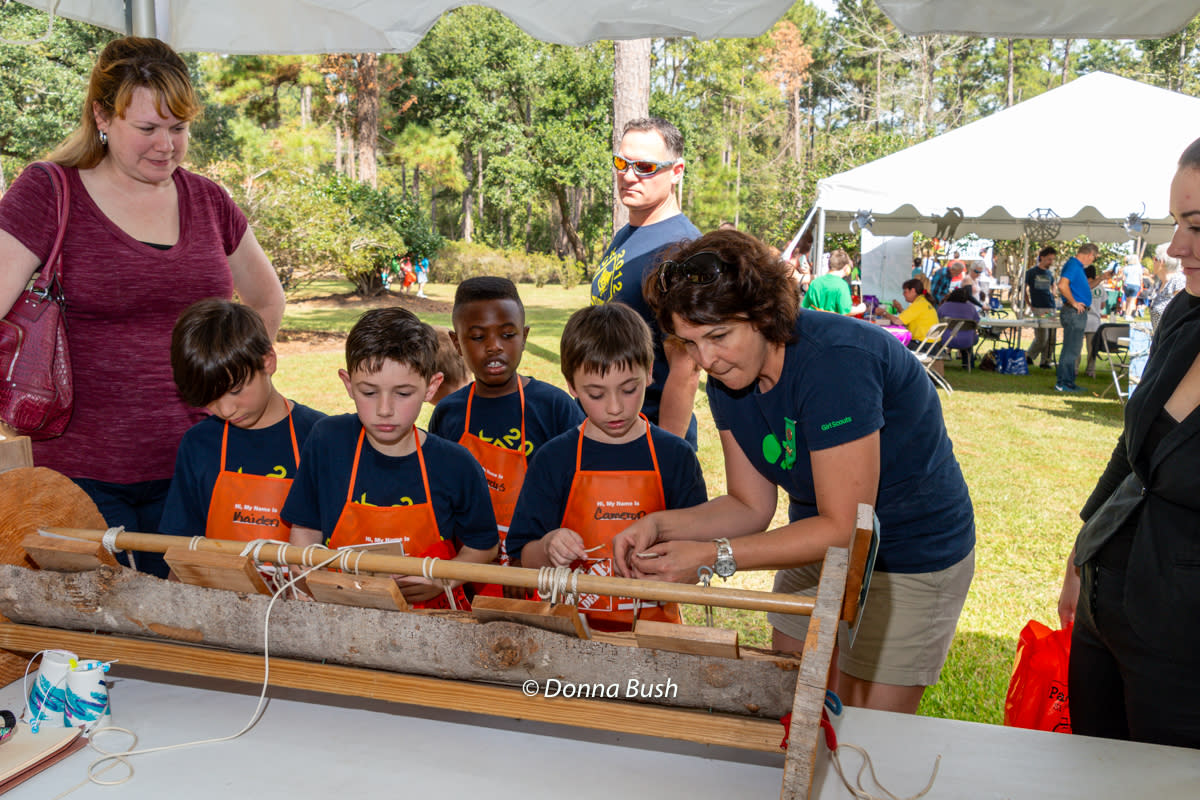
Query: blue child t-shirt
[633, 253]
[459, 493]
[265, 451]
[844, 379]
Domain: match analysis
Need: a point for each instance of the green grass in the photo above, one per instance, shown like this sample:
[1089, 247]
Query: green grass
[1030, 455]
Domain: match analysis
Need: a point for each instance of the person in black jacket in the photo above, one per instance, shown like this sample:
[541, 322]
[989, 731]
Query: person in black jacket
[1132, 584]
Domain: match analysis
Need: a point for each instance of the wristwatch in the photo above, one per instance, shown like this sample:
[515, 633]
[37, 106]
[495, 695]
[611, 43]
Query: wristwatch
[725, 566]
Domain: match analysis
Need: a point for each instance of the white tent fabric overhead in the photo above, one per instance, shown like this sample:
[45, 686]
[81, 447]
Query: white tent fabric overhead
[1021, 19]
[339, 26]
[1076, 151]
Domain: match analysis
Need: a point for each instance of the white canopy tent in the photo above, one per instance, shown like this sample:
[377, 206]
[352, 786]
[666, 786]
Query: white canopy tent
[1075, 150]
[1048, 19]
[336, 26]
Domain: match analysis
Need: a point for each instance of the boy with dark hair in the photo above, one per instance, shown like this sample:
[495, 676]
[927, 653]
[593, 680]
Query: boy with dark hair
[233, 470]
[502, 417]
[450, 363]
[589, 484]
[404, 486]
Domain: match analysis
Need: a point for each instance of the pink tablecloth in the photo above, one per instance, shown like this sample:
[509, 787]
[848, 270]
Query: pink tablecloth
[900, 333]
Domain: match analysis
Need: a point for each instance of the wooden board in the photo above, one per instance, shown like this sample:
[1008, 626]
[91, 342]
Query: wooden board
[66, 555]
[693, 639]
[561, 618]
[703, 727]
[15, 452]
[805, 739]
[216, 570]
[364, 591]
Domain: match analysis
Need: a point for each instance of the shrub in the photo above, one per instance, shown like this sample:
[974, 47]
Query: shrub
[457, 261]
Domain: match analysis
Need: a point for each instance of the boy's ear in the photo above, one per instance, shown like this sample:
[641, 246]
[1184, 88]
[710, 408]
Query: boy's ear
[525, 333]
[270, 362]
[454, 341]
[434, 384]
[345, 376]
[571, 389]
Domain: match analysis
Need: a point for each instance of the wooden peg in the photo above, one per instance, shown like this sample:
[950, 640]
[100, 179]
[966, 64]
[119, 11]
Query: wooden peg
[696, 640]
[66, 555]
[561, 618]
[347, 589]
[216, 570]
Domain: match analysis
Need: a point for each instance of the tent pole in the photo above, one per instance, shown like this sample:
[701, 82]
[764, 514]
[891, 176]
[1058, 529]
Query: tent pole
[819, 245]
[140, 19]
[1019, 289]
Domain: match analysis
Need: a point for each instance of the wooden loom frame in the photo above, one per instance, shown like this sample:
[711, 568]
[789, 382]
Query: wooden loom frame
[842, 576]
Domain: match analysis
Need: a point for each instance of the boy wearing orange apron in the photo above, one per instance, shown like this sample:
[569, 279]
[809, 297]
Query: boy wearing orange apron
[373, 477]
[233, 469]
[589, 484]
[502, 417]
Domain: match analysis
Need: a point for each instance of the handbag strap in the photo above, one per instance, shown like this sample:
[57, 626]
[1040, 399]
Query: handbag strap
[51, 271]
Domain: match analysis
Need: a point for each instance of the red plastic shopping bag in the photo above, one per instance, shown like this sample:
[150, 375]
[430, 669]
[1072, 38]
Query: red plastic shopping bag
[1037, 691]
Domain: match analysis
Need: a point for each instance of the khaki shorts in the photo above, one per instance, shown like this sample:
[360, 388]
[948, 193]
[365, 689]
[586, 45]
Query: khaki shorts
[907, 624]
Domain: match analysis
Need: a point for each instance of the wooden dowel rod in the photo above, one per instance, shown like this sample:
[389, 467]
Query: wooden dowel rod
[717, 596]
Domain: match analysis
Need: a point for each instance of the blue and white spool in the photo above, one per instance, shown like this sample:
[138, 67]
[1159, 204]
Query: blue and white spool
[48, 698]
[87, 695]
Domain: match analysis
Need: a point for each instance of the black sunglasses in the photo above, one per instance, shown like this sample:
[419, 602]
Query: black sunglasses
[700, 268]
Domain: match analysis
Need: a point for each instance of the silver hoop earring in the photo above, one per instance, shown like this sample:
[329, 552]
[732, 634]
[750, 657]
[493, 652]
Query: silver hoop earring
[103, 138]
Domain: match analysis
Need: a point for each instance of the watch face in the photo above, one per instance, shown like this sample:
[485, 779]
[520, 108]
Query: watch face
[725, 567]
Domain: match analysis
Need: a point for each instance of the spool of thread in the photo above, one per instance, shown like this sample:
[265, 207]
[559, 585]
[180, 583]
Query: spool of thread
[87, 695]
[48, 698]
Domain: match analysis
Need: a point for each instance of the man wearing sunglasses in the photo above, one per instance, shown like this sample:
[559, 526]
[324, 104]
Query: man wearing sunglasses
[649, 165]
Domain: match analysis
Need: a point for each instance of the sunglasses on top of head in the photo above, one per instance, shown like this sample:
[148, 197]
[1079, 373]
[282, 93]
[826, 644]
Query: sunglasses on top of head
[700, 268]
[642, 168]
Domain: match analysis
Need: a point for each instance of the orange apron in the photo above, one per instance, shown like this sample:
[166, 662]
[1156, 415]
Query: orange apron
[360, 523]
[505, 472]
[600, 505]
[246, 507]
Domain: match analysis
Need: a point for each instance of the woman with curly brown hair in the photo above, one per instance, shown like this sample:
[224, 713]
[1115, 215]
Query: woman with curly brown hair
[836, 412]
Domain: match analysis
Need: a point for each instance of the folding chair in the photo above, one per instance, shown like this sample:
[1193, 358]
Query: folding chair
[1109, 342]
[966, 327]
[932, 348]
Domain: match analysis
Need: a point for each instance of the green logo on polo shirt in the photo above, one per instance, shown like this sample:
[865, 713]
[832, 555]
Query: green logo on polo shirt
[772, 449]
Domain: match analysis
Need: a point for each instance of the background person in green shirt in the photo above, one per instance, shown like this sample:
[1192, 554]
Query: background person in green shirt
[831, 291]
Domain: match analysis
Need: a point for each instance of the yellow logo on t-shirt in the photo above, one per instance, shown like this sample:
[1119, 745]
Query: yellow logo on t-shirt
[608, 281]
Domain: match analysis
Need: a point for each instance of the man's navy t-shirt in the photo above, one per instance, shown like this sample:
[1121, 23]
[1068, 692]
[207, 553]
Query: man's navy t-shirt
[633, 252]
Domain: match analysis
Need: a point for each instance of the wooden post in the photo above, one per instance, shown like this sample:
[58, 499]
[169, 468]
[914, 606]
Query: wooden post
[804, 738]
[661, 591]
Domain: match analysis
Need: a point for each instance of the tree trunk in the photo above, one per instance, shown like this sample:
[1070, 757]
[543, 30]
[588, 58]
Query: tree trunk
[468, 225]
[366, 117]
[528, 225]
[416, 185]
[631, 100]
[878, 88]
[1010, 74]
[306, 106]
[339, 162]
[1066, 60]
[566, 212]
[433, 226]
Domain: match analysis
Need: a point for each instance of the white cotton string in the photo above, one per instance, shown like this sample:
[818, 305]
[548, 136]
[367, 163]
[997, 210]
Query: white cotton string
[111, 759]
[109, 540]
[194, 543]
[552, 581]
[427, 573]
[861, 792]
